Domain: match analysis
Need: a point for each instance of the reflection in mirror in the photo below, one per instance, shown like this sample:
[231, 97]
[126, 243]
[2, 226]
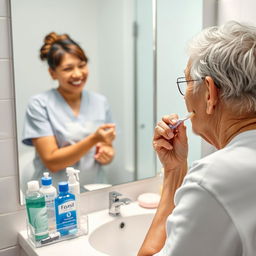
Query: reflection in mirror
[118, 38]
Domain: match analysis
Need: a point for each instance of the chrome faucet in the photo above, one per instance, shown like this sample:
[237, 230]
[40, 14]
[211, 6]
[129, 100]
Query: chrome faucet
[115, 202]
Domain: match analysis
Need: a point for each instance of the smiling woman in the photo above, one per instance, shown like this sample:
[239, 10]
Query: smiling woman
[68, 126]
[68, 65]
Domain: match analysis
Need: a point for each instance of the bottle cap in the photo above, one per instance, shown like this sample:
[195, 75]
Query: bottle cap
[46, 180]
[63, 186]
[33, 185]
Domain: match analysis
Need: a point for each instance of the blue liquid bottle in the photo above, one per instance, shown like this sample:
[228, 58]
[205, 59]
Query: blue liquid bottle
[65, 209]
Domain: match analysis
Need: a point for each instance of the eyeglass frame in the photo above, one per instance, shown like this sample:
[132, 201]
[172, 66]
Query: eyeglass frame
[185, 81]
[191, 80]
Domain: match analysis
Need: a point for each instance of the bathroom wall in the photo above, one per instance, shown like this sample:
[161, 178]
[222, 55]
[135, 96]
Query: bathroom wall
[11, 216]
[173, 34]
[239, 10]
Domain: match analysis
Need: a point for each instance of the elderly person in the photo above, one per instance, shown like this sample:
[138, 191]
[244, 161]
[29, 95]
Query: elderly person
[210, 209]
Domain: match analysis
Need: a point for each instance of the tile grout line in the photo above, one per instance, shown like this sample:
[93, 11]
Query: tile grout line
[9, 248]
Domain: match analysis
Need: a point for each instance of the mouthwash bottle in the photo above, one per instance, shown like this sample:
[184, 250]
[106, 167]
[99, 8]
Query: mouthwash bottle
[36, 211]
[65, 209]
[50, 193]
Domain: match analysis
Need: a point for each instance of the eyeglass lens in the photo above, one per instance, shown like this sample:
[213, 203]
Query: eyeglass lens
[182, 85]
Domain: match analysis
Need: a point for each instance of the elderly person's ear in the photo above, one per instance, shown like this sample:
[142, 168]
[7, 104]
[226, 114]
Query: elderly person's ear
[211, 96]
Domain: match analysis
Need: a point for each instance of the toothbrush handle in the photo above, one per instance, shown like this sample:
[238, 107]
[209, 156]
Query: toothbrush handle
[174, 126]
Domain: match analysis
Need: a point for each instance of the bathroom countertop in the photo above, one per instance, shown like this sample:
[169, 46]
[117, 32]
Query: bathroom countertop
[77, 246]
[80, 246]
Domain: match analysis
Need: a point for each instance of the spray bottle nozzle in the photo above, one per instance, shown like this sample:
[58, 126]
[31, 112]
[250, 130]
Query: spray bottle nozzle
[70, 171]
[73, 173]
[76, 174]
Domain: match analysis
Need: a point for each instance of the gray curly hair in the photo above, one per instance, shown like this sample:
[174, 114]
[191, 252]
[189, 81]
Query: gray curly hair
[227, 54]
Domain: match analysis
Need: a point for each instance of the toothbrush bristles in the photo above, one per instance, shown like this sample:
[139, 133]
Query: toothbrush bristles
[189, 115]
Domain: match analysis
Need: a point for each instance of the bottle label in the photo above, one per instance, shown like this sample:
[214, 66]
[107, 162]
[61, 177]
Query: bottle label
[67, 207]
[66, 217]
[50, 205]
[38, 219]
[49, 197]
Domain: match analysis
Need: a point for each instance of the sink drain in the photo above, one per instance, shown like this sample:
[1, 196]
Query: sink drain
[122, 225]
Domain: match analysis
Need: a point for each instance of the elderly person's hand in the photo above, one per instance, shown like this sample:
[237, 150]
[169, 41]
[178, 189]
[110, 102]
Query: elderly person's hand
[170, 145]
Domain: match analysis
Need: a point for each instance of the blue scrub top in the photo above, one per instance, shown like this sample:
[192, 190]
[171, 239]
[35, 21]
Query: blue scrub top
[48, 114]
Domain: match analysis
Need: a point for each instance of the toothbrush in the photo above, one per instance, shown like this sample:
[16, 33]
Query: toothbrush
[174, 126]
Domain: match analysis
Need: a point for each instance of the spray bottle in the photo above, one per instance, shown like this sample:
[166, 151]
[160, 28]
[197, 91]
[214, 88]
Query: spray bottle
[74, 188]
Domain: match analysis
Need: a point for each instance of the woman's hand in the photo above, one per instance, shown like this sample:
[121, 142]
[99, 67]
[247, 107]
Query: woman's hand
[106, 133]
[56, 159]
[104, 153]
[171, 145]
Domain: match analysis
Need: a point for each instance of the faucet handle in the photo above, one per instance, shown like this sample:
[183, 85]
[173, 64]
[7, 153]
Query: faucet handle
[114, 196]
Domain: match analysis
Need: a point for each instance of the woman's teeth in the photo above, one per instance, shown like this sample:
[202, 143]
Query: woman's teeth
[76, 82]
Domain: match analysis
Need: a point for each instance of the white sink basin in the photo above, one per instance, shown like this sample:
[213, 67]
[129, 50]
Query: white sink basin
[121, 236]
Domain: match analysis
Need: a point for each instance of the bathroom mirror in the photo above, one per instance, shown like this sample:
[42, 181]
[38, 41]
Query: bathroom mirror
[118, 36]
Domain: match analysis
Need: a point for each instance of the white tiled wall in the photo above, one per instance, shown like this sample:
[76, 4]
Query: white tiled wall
[5, 79]
[4, 47]
[7, 152]
[11, 214]
[3, 8]
[12, 251]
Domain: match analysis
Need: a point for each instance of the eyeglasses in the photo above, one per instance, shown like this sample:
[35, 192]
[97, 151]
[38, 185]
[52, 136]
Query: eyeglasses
[182, 84]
